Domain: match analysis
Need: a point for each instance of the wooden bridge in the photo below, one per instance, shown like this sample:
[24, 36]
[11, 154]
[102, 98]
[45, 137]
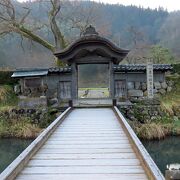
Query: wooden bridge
[85, 143]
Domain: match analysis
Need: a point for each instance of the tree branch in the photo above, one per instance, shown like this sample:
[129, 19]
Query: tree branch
[10, 24]
[58, 37]
[30, 35]
[25, 16]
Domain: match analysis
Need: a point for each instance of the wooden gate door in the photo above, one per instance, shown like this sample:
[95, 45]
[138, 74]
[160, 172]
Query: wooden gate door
[120, 89]
[64, 90]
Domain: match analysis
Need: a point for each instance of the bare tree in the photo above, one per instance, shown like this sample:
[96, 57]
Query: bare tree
[12, 21]
[79, 15]
[57, 24]
[137, 36]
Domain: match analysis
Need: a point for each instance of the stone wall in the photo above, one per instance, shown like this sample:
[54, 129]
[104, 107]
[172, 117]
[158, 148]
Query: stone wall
[32, 102]
[41, 116]
[36, 115]
[138, 90]
[143, 110]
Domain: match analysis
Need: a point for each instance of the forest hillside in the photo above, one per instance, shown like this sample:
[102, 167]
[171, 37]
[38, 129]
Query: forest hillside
[143, 31]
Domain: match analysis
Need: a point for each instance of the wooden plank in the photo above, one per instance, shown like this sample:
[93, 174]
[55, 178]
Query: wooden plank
[109, 127]
[90, 132]
[90, 141]
[122, 141]
[84, 120]
[87, 135]
[92, 125]
[90, 146]
[83, 138]
[84, 170]
[83, 151]
[84, 162]
[85, 156]
[83, 177]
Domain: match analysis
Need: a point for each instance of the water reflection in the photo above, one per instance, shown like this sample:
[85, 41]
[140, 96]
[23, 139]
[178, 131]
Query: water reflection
[164, 152]
[10, 149]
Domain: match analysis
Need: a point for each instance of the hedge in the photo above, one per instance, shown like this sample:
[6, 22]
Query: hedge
[176, 68]
[5, 78]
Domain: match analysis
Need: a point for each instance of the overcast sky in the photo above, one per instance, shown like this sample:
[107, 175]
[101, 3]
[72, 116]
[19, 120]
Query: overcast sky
[170, 5]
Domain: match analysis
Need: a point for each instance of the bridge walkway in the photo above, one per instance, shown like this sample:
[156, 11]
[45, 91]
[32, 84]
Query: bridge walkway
[90, 143]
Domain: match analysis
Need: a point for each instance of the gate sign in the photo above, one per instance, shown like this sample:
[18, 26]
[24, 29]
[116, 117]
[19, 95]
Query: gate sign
[149, 71]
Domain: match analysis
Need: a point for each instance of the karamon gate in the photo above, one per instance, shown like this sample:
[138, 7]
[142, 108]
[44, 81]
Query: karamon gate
[124, 81]
[90, 49]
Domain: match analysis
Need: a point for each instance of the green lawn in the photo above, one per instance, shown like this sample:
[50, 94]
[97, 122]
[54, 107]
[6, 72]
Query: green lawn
[104, 90]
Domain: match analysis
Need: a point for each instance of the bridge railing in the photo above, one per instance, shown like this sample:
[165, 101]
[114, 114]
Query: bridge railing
[148, 164]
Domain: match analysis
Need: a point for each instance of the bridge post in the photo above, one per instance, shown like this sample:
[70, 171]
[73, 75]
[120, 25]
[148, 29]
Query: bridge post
[114, 102]
[173, 172]
[70, 103]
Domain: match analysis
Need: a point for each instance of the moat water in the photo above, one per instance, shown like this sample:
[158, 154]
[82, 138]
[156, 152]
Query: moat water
[163, 152]
[10, 149]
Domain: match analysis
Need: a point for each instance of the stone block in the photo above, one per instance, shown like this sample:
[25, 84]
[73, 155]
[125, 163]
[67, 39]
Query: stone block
[155, 91]
[135, 93]
[143, 86]
[137, 85]
[157, 85]
[32, 102]
[130, 85]
[170, 83]
[164, 85]
[162, 91]
[169, 89]
[145, 93]
[53, 101]
[17, 89]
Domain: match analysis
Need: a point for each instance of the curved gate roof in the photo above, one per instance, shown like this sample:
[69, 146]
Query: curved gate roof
[92, 46]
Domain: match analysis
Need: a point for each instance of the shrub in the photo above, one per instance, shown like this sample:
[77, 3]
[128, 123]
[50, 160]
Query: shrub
[20, 128]
[5, 78]
[151, 131]
[176, 68]
[7, 96]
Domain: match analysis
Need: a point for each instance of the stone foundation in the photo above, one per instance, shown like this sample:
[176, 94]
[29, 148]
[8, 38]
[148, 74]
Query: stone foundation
[36, 115]
[143, 110]
[32, 102]
[138, 90]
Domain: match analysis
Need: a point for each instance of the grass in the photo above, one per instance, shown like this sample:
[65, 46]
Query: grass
[170, 103]
[104, 90]
[156, 129]
[20, 128]
[7, 96]
[93, 88]
[169, 124]
[153, 130]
